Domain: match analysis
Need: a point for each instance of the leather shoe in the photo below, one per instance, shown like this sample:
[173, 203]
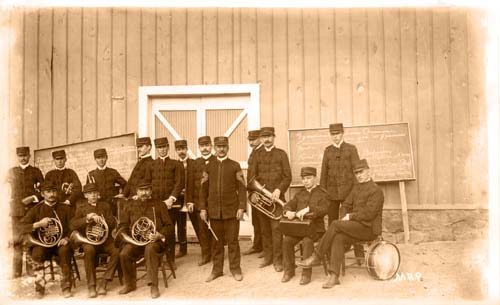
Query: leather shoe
[155, 293]
[250, 251]
[261, 255]
[278, 267]
[40, 293]
[101, 289]
[67, 293]
[287, 276]
[126, 289]
[305, 279]
[333, 280]
[203, 261]
[180, 254]
[310, 261]
[238, 276]
[212, 277]
[265, 263]
[91, 292]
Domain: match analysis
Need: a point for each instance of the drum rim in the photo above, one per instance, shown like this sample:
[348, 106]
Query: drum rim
[367, 257]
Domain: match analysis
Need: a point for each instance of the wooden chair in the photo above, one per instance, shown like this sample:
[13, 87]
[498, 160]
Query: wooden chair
[141, 267]
[359, 249]
[102, 261]
[75, 273]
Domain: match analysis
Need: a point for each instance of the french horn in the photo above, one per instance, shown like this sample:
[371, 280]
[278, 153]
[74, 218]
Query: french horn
[47, 236]
[141, 232]
[96, 233]
[261, 199]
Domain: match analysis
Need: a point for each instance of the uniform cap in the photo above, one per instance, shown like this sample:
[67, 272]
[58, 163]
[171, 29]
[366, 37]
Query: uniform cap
[308, 171]
[360, 165]
[143, 141]
[266, 131]
[145, 183]
[204, 140]
[23, 151]
[180, 143]
[59, 154]
[101, 152]
[48, 185]
[336, 128]
[221, 141]
[161, 142]
[89, 187]
[253, 134]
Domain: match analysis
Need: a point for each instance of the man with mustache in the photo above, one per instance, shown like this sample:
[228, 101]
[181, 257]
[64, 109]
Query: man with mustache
[271, 168]
[142, 169]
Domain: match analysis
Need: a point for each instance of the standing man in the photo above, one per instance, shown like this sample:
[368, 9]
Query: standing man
[142, 169]
[66, 179]
[156, 212]
[185, 202]
[195, 175]
[336, 170]
[255, 145]
[24, 181]
[167, 177]
[88, 212]
[107, 180]
[40, 217]
[223, 201]
[271, 168]
[312, 203]
[363, 222]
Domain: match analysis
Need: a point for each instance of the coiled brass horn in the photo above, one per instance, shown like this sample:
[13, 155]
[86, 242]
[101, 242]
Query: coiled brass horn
[141, 232]
[260, 198]
[96, 233]
[49, 235]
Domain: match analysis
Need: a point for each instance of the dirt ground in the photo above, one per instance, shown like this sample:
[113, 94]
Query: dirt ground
[437, 272]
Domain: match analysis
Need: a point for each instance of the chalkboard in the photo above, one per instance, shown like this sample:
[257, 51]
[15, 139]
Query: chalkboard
[387, 149]
[122, 155]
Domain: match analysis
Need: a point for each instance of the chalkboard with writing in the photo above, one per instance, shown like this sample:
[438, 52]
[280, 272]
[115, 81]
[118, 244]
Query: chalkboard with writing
[387, 149]
[122, 155]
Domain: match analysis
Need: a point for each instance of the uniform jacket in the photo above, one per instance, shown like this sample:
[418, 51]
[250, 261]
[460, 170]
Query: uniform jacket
[317, 200]
[166, 178]
[223, 189]
[22, 182]
[102, 208]
[364, 204]
[186, 194]
[251, 158]
[108, 182]
[271, 169]
[336, 170]
[195, 175]
[67, 175]
[42, 210]
[135, 209]
[142, 170]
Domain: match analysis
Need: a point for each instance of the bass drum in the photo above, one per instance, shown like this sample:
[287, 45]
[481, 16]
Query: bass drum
[382, 260]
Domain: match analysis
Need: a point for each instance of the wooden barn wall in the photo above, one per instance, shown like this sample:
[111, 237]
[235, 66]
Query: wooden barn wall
[74, 75]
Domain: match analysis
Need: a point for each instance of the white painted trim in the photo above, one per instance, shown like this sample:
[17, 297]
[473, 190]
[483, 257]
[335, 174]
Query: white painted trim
[236, 123]
[171, 129]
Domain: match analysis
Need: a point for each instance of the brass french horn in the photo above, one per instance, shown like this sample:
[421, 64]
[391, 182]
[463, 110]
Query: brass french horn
[140, 233]
[49, 235]
[96, 233]
[260, 198]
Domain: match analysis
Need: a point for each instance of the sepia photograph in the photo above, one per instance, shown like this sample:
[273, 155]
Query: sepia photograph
[247, 152]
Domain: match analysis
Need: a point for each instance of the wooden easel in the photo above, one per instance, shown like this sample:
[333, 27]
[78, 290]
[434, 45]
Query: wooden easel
[404, 211]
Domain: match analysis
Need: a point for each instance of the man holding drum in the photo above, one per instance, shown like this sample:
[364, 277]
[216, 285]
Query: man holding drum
[363, 222]
[311, 202]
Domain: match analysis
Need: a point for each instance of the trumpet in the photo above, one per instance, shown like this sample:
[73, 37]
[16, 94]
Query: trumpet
[260, 198]
[48, 236]
[96, 233]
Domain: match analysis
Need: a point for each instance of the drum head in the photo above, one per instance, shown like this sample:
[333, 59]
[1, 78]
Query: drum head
[383, 260]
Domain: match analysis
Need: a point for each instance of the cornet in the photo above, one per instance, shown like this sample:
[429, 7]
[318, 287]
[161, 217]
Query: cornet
[260, 198]
[67, 188]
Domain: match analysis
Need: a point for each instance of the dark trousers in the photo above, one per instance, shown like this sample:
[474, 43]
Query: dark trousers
[289, 243]
[202, 233]
[333, 210]
[257, 234]
[339, 234]
[90, 259]
[272, 239]
[179, 219]
[152, 257]
[227, 231]
[64, 254]
[17, 245]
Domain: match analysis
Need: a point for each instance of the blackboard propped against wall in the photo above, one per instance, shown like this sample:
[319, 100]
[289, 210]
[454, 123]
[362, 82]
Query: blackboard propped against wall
[386, 147]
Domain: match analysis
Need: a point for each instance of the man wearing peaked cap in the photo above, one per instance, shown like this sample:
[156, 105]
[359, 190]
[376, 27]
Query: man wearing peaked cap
[255, 144]
[89, 212]
[70, 187]
[311, 203]
[224, 206]
[362, 222]
[166, 181]
[270, 167]
[108, 181]
[336, 169]
[24, 181]
[142, 169]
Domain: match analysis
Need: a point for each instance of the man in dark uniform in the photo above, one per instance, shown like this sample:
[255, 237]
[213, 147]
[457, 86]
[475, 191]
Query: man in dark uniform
[90, 211]
[108, 181]
[40, 217]
[193, 188]
[223, 200]
[271, 168]
[24, 181]
[66, 179]
[167, 177]
[310, 202]
[336, 170]
[363, 222]
[157, 212]
[255, 144]
[142, 169]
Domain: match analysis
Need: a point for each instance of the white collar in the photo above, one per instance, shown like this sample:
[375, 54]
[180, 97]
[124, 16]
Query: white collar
[184, 160]
[50, 205]
[269, 149]
[145, 156]
[222, 159]
[60, 169]
[338, 146]
[101, 168]
[312, 188]
[206, 157]
[24, 166]
[163, 158]
[95, 204]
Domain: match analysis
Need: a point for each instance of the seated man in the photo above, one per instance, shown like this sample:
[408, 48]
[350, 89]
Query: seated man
[89, 212]
[311, 202]
[45, 216]
[363, 222]
[150, 213]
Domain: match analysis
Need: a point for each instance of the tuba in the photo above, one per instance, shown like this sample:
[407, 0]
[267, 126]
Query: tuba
[96, 234]
[140, 232]
[260, 198]
[48, 236]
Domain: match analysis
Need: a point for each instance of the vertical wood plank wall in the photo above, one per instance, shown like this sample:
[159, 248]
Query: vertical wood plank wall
[74, 75]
